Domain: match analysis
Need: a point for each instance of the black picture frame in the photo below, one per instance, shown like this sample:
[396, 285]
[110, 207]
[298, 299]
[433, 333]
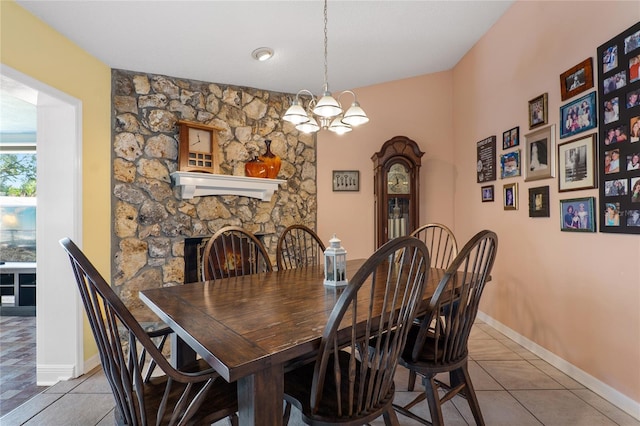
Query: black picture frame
[511, 138]
[539, 201]
[486, 160]
[487, 193]
[619, 133]
[346, 180]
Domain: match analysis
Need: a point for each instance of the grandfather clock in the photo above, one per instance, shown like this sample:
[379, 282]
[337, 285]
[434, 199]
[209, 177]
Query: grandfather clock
[396, 188]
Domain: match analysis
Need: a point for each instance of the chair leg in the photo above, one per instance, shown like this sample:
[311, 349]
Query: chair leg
[412, 381]
[431, 390]
[390, 417]
[472, 399]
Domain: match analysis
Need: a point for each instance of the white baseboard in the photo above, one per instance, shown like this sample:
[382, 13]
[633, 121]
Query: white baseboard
[91, 363]
[49, 375]
[618, 399]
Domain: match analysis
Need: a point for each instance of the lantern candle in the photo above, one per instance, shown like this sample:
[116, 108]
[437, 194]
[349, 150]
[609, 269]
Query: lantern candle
[335, 264]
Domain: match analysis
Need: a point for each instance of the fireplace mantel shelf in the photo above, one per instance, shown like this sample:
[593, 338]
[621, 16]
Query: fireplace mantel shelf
[195, 184]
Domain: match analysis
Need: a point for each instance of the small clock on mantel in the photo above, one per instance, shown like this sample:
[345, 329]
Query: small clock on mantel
[199, 150]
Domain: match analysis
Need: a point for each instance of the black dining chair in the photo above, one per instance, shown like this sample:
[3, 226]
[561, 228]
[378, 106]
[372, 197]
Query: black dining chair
[233, 251]
[440, 242]
[443, 248]
[193, 395]
[299, 246]
[351, 380]
[439, 343]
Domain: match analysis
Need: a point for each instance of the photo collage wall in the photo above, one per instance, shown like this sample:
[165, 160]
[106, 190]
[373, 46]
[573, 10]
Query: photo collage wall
[619, 129]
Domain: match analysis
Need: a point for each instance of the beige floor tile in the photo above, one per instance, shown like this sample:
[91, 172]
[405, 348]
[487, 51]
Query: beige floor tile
[520, 350]
[95, 383]
[75, 410]
[560, 408]
[606, 408]
[499, 408]
[556, 374]
[481, 380]
[519, 375]
[490, 330]
[491, 350]
[477, 333]
[449, 411]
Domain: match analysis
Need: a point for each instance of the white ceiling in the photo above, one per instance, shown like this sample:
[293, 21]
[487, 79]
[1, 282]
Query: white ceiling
[370, 42]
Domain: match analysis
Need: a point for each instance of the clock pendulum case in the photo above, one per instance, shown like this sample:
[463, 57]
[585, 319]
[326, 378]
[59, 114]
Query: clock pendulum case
[396, 188]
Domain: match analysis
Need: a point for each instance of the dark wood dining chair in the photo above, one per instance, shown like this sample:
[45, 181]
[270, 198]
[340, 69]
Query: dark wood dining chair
[439, 343]
[443, 248]
[440, 242]
[298, 246]
[351, 380]
[195, 394]
[232, 252]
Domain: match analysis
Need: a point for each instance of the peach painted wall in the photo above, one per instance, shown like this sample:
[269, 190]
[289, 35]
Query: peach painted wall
[574, 294]
[419, 108]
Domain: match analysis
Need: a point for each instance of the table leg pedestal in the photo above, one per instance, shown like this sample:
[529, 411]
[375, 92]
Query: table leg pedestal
[261, 396]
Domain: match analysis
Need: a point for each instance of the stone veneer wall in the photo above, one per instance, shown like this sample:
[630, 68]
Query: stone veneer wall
[150, 220]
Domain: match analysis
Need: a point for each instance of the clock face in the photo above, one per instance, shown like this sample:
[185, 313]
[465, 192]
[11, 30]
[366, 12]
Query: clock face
[398, 179]
[199, 140]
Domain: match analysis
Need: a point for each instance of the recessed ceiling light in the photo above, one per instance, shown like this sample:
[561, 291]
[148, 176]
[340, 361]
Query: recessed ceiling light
[262, 53]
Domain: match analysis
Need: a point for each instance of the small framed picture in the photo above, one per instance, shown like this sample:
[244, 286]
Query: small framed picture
[578, 215]
[611, 110]
[615, 82]
[634, 63]
[633, 98]
[487, 193]
[538, 111]
[578, 116]
[510, 164]
[610, 58]
[510, 196]
[576, 79]
[632, 42]
[634, 134]
[611, 214]
[539, 201]
[346, 180]
[577, 164]
[511, 138]
[540, 154]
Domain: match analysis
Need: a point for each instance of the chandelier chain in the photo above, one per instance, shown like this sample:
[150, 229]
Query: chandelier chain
[326, 66]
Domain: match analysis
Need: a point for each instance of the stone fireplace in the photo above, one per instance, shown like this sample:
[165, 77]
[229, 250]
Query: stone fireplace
[153, 226]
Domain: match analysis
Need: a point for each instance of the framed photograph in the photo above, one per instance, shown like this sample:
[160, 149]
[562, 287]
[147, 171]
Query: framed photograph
[577, 164]
[610, 58]
[511, 138]
[346, 180]
[578, 116]
[615, 82]
[538, 111]
[576, 79]
[486, 160]
[578, 215]
[487, 193]
[510, 164]
[540, 154]
[539, 201]
[510, 196]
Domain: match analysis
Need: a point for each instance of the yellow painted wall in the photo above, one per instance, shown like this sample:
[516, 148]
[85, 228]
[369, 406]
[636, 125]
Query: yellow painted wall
[35, 49]
[574, 294]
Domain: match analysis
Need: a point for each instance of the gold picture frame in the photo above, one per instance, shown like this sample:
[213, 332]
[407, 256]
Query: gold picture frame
[510, 196]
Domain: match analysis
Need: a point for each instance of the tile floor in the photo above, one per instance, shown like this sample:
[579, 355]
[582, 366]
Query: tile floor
[515, 388]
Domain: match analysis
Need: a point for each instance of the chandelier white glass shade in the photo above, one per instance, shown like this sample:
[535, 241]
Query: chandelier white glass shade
[325, 112]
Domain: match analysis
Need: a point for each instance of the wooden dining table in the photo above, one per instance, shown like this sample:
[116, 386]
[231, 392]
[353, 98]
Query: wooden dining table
[251, 328]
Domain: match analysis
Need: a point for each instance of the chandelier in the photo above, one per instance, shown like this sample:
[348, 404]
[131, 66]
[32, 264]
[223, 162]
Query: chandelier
[325, 112]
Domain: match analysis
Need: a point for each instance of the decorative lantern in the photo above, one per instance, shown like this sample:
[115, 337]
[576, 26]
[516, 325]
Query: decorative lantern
[335, 264]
